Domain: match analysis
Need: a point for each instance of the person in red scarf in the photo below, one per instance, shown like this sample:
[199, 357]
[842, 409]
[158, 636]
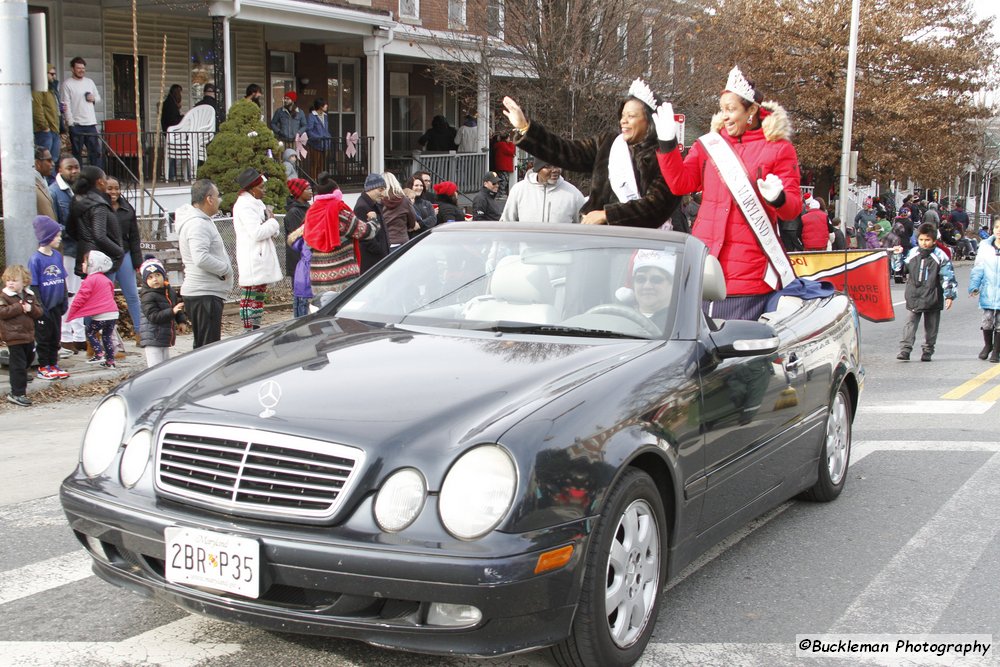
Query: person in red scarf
[751, 138]
[333, 232]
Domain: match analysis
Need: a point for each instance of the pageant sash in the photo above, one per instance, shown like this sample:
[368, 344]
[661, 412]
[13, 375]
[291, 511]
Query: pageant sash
[734, 175]
[621, 173]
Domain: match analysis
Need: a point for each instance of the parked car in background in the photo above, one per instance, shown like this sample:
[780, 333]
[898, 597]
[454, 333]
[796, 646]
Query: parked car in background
[497, 440]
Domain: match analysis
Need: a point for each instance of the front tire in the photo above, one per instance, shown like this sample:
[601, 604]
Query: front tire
[836, 456]
[625, 571]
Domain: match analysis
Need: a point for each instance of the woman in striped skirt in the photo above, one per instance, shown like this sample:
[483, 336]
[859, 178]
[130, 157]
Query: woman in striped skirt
[334, 232]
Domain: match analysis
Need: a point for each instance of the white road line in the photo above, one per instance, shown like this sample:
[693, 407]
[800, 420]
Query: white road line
[863, 448]
[927, 408]
[43, 575]
[33, 514]
[919, 582]
[175, 644]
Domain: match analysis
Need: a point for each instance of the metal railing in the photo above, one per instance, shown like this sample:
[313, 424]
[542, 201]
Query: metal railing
[177, 154]
[279, 292]
[347, 163]
[463, 169]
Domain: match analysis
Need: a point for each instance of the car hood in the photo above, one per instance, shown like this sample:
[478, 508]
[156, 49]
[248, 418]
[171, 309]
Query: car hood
[350, 382]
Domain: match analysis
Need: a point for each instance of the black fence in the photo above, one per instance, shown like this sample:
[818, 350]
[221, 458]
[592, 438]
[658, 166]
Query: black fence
[178, 155]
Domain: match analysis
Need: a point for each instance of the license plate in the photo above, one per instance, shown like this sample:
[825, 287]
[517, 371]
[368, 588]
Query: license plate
[213, 560]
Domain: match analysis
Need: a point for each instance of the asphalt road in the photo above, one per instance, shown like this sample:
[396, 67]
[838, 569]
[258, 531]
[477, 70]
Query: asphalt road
[910, 547]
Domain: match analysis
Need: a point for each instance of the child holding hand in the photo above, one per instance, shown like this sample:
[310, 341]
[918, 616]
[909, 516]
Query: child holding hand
[162, 313]
[96, 299]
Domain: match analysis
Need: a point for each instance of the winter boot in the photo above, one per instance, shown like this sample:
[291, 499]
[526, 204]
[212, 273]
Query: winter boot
[995, 355]
[988, 340]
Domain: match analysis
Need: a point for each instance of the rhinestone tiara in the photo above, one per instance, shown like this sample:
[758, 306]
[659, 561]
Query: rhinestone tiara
[642, 92]
[737, 83]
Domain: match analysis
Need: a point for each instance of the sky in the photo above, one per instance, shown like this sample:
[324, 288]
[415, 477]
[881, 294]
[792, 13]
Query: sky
[987, 8]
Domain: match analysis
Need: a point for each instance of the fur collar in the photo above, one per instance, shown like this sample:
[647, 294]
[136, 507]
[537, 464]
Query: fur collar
[775, 125]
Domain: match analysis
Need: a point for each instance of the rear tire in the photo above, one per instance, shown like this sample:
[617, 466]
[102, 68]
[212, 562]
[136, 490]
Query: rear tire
[836, 456]
[624, 574]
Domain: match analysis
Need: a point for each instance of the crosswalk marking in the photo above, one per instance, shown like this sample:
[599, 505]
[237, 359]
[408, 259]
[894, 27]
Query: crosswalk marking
[177, 644]
[940, 407]
[43, 575]
[920, 581]
[975, 383]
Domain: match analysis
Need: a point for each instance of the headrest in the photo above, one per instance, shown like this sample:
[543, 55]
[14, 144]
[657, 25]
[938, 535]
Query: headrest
[517, 282]
[713, 287]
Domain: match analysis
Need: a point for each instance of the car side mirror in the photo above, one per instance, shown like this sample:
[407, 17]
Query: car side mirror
[744, 338]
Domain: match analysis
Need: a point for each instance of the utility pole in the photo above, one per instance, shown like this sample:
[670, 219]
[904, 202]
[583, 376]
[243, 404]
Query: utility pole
[16, 138]
[845, 149]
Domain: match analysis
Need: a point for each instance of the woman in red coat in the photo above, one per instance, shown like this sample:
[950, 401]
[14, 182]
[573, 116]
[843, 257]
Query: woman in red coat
[748, 172]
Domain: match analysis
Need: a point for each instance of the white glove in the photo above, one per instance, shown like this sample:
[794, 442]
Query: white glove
[770, 187]
[666, 126]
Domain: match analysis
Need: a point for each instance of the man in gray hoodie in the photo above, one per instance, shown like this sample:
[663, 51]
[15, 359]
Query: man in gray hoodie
[543, 196]
[208, 272]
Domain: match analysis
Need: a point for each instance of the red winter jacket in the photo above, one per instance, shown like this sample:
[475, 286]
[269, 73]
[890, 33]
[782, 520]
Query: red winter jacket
[322, 222]
[815, 230]
[720, 223]
[503, 152]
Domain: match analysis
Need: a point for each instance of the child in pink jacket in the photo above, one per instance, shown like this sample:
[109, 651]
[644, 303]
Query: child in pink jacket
[96, 299]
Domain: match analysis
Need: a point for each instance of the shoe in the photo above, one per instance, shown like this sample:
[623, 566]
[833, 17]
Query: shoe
[64, 353]
[95, 360]
[995, 357]
[926, 356]
[59, 373]
[45, 373]
[903, 356]
[988, 344]
[23, 401]
[107, 364]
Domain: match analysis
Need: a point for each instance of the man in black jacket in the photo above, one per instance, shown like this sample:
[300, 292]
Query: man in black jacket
[484, 204]
[377, 248]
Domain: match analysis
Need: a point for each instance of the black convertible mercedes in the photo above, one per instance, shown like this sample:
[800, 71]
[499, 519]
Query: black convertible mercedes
[504, 437]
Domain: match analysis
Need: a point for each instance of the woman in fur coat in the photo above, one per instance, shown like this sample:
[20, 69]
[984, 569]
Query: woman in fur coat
[625, 183]
[757, 133]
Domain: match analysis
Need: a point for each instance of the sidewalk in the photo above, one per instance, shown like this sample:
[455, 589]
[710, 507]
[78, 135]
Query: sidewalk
[82, 373]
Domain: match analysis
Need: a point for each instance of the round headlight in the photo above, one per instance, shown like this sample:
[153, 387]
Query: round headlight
[136, 457]
[477, 492]
[103, 437]
[399, 500]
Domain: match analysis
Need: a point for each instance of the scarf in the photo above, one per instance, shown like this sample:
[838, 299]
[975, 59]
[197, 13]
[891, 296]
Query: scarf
[621, 173]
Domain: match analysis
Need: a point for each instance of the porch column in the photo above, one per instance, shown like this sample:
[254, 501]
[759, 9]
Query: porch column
[16, 137]
[375, 95]
[483, 110]
[220, 49]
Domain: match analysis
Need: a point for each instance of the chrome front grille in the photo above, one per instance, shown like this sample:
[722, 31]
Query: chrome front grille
[258, 473]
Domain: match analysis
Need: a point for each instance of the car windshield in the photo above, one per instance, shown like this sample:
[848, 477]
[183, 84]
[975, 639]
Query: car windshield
[559, 283]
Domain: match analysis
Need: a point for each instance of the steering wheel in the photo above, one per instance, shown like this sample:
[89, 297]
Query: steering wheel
[629, 314]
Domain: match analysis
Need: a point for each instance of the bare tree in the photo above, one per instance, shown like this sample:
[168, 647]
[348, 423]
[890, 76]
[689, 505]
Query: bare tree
[919, 63]
[569, 62]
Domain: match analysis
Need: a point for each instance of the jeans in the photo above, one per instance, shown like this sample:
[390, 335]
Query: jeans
[52, 141]
[125, 277]
[300, 306]
[80, 135]
[932, 321]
